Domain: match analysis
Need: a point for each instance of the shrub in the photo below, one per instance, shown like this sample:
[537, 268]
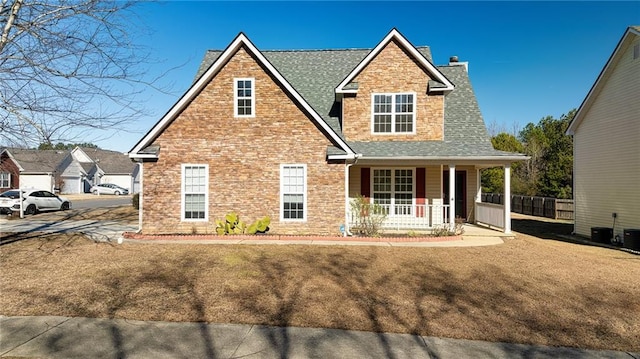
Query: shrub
[444, 230]
[367, 217]
[233, 225]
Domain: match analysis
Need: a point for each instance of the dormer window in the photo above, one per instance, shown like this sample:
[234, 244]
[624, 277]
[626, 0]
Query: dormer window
[244, 95]
[393, 113]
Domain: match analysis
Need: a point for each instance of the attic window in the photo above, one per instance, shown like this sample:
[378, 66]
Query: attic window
[393, 113]
[244, 95]
[636, 51]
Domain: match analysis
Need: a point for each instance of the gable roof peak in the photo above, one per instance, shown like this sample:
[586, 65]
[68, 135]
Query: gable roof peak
[138, 150]
[394, 34]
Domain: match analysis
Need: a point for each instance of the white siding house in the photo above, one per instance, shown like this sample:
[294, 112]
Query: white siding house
[606, 137]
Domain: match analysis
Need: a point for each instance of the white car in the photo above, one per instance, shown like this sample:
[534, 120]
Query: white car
[108, 188]
[34, 201]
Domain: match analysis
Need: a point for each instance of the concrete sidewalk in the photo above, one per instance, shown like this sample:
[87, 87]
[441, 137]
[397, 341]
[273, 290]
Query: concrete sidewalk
[64, 337]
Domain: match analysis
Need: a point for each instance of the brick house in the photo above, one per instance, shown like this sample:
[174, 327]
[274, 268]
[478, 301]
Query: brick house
[296, 135]
[28, 168]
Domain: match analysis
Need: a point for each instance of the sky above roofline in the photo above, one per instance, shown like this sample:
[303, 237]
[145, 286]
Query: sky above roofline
[527, 60]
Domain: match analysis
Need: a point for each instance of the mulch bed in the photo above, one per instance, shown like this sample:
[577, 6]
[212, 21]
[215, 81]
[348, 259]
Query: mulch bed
[281, 237]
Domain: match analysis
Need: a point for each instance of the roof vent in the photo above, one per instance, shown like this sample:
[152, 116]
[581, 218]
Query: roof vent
[453, 61]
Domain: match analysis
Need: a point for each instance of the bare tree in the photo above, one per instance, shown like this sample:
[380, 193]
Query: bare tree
[68, 68]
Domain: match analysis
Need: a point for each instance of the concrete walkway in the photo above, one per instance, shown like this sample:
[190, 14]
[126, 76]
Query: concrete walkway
[69, 338]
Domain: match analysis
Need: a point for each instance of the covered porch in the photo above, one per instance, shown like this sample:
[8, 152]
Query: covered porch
[425, 196]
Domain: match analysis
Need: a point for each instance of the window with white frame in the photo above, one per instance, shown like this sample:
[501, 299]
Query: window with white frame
[393, 190]
[5, 180]
[293, 192]
[244, 96]
[195, 183]
[393, 113]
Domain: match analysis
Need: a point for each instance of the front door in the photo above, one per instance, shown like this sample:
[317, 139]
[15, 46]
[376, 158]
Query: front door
[461, 192]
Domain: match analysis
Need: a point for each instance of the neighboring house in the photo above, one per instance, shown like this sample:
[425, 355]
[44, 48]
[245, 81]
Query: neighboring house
[65, 171]
[22, 168]
[296, 135]
[606, 144]
[85, 167]
[113, 167]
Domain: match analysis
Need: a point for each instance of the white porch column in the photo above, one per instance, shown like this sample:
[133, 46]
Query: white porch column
[507, 198]
[140, 197]
[478, 193]
[452, 196]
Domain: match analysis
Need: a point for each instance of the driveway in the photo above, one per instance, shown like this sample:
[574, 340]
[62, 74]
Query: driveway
[95, 229]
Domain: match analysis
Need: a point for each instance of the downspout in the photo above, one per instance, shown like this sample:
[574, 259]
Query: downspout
[347, 205]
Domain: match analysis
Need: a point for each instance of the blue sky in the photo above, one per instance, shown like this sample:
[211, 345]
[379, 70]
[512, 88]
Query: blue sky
[527, 60]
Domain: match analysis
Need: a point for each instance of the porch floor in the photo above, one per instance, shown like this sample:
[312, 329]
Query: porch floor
[470, 230]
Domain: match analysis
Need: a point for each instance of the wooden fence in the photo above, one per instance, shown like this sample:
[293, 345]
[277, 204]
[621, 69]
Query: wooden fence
[535, 206]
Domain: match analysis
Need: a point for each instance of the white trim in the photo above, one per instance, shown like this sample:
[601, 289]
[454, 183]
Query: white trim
[304, 194]
[393, 113]
[183, 192]
[507, 198]
[200, 84]
[499, 160]
[141, 197]
[252, 97]
[395, 34]
[452, 197]
[8, 179]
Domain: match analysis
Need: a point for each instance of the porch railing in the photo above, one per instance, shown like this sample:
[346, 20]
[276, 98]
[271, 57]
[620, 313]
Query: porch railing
[490, 213]
[410, 216]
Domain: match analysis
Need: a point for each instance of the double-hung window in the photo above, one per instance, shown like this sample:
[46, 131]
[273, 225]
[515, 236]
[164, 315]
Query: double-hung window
[293, 192]
[393, 190]
[5, 180]
[393, 113]
[244, 97]
[195, 192]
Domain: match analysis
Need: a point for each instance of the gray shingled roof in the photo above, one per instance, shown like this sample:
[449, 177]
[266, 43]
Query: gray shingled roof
[38, 161]
[111, 162]
[316, 73]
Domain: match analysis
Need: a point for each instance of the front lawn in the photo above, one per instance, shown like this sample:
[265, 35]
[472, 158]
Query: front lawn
[527, 290]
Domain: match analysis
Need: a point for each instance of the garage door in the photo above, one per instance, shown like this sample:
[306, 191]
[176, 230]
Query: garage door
[70, 185]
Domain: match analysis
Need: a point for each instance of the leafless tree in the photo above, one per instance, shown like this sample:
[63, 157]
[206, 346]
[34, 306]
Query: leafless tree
[68, 67]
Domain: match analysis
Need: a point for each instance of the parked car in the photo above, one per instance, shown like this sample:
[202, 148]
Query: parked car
[34, 201]
[108, 188]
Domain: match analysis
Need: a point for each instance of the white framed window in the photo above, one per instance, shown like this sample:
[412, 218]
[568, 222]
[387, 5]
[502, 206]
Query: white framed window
[5, 180]
[293, 192]
[393, 113]
[244, 97]
[394, 190]
[195, 192]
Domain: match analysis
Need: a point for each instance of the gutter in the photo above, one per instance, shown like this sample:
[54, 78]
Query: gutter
[347, 205]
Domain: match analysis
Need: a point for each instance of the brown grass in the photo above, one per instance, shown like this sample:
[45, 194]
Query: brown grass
[527, 290]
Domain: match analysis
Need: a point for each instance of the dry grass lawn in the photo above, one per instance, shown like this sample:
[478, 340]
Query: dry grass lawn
[528, 290]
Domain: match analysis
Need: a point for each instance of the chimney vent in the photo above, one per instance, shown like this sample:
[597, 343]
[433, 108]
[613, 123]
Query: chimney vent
[453, 59]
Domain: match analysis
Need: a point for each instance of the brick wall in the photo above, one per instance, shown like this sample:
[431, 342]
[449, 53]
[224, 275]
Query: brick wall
[393, 70]
[244, 157]
[8, 166]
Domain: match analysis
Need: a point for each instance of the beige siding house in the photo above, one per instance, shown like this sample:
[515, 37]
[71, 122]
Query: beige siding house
[606, 137]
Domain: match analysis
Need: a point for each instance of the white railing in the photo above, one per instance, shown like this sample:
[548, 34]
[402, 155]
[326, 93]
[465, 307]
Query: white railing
[411, 216]
[490, 213]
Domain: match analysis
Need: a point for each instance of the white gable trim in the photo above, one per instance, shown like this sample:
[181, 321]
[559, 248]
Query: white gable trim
[599, 83]
[183, 102]
[395, 34]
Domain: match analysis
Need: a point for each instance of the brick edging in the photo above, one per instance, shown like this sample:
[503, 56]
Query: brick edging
[278, 237]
